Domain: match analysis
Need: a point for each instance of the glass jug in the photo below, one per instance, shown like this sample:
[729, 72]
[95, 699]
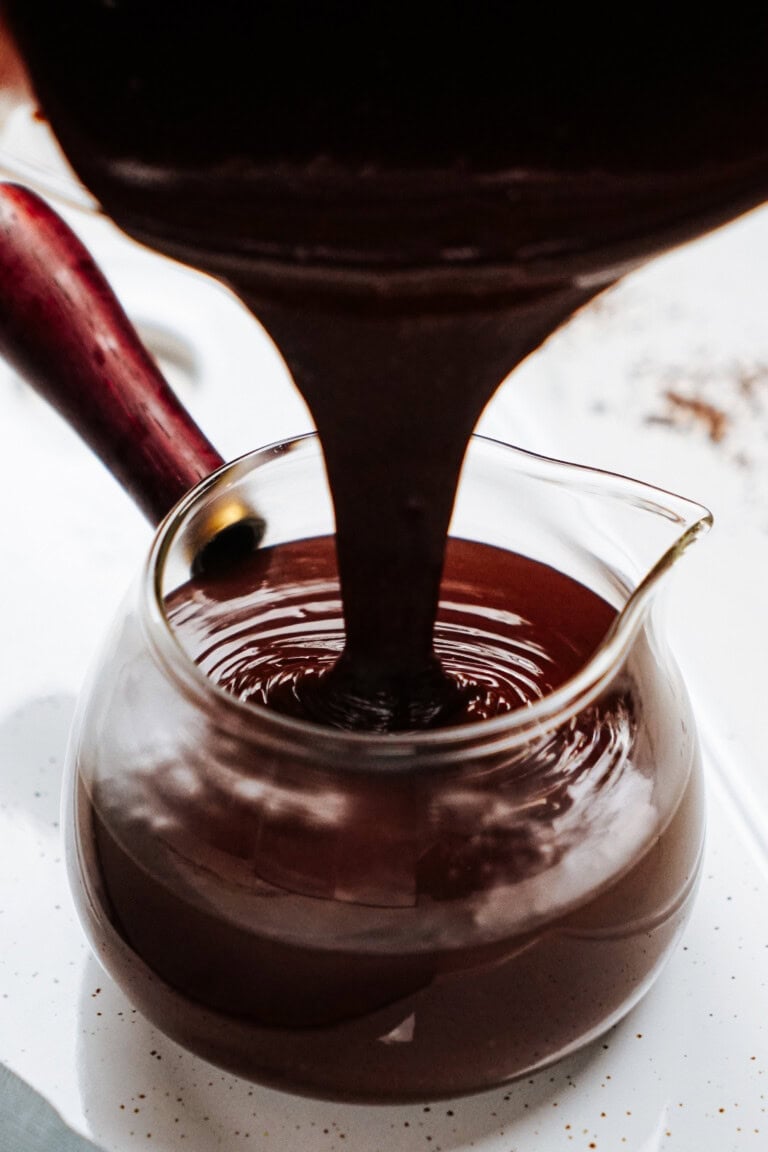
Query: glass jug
[406, 916]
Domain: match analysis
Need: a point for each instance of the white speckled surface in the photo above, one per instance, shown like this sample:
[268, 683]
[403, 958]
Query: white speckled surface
[688, 1070]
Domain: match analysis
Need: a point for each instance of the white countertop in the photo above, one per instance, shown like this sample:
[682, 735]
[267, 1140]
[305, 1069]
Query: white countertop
[664, 378]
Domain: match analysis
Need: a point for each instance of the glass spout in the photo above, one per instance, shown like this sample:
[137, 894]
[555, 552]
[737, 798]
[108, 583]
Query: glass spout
[659, 526]
[617, 536]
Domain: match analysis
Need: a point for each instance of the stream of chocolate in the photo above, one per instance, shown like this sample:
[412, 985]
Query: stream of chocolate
[411, 204]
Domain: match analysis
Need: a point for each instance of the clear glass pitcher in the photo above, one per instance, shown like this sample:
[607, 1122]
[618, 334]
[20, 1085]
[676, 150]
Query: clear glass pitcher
[405, 916]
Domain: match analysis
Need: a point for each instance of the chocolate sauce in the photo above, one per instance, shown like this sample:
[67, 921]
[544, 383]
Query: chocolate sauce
[394, 935]
[509, 630]
[410, 206]
[351, 1024]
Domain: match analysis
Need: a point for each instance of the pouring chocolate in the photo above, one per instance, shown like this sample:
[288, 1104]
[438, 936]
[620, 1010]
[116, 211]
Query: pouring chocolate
[410, 205]
[481, 855]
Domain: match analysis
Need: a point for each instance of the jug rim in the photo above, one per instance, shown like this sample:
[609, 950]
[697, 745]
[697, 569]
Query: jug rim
[449, 744]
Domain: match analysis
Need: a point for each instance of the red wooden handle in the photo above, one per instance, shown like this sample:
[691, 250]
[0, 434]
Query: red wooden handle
[63, 329]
